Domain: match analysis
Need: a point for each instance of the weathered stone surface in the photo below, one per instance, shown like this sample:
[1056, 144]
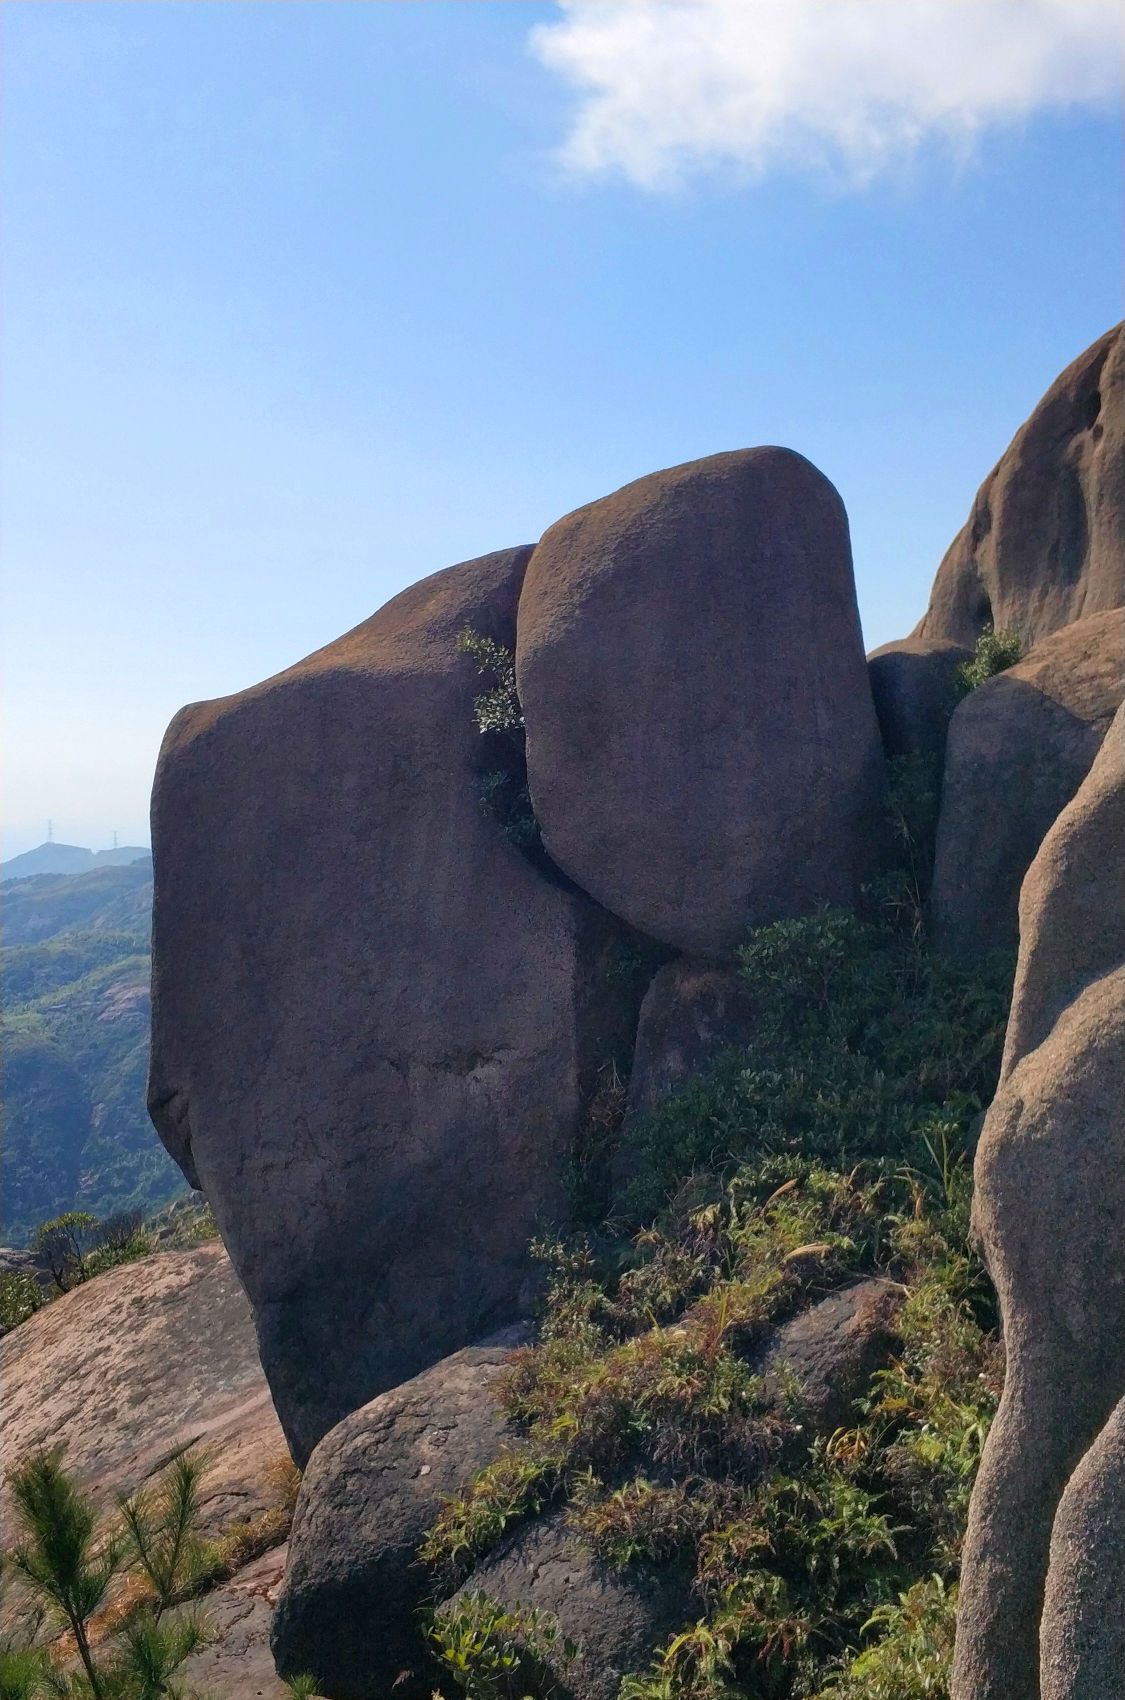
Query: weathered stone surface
[135, 1363]
[832, 1349]
[618, 1618]
[348, 1607]
[702, 747]
[691, 1012]
[1048, 1208]
[1019, 747]
[373, 1020]
[1082, 1632]
[1045, 541]
[914, 690]
[237, 1663]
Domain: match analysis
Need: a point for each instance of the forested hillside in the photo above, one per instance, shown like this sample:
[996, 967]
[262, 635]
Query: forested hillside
[75, 966]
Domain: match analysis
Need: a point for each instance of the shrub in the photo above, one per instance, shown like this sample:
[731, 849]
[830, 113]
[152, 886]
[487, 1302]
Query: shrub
[495, 1654]
[836, 1145]
[20, 1297]
[68, 1563]
[995, 653]
[502, 782]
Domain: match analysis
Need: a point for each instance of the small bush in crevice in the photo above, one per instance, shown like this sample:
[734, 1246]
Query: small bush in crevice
[995, 653]
[502, 782]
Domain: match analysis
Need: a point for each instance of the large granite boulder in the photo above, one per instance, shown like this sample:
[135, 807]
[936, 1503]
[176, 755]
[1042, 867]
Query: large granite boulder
[1049, 1210]
[702, 747]
[1082, 1632]
[1019, 747]
[1045, 541]
[374, 1022]
[914, 686]
[348, 1608]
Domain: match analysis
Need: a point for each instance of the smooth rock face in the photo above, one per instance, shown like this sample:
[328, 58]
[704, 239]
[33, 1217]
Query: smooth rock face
[691, 1012]
[348, 1607]
[1082, 1632]
[1045, 542]
[1019, 747]
[618, 1618]
[136, 1363]
[374, 1023]
[701, 742]
[1048, 1209]
[914, 690]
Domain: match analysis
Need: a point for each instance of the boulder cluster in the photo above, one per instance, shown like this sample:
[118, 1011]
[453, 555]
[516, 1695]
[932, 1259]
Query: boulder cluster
[380, 1020]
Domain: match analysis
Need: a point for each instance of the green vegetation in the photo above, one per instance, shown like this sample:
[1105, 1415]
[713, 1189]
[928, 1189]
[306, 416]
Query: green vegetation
[502, 780]
[995, 653]
[493, 1654]
[68, 1564]
[836, 1145]
[75, 968]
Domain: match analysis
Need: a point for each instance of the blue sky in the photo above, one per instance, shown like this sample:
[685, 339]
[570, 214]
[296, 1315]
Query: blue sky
[303, 301]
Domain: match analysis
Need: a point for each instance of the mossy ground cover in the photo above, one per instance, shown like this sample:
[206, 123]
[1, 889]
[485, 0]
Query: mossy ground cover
[837, 1145]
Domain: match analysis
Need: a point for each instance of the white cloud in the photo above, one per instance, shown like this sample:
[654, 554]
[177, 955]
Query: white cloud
[847, 87]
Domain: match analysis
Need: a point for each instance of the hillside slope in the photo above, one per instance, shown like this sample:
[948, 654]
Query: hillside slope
[75, 967]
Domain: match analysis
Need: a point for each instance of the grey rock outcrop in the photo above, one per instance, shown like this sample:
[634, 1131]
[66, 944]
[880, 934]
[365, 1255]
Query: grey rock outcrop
[1045, 542]
[348, 1608]
[1082, 1631]
[616, 1617]
[914, 689]
[374, 1022]
[832, 1349]
[1019, 747]
[702, 747]
[1048, 1209]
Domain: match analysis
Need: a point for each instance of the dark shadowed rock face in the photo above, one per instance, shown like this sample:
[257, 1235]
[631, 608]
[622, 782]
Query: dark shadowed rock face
[691, 1012]
[1082, 1633]
[348, 1609]
[1045, 542]
[374, 1024]
[702, 747]
[1019, 747]
[914, 689]
[616, 1617]
[1048, 1208]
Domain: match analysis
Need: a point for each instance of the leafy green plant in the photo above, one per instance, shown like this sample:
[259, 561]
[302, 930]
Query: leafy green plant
[492, 1653]
[502, 783]
[995, 653]
[68, 1563]
[59, 1557]
[161, 1527]
[20, 1297]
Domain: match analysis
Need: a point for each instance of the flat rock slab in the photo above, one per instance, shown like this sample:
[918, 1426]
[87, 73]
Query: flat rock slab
[238, 1665]
[135, 1363]
[702, 748]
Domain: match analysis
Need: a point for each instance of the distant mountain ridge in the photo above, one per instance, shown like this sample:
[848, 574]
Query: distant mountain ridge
[51, 858]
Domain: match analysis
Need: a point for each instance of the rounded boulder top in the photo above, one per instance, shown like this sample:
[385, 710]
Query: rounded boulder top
[702, 748]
